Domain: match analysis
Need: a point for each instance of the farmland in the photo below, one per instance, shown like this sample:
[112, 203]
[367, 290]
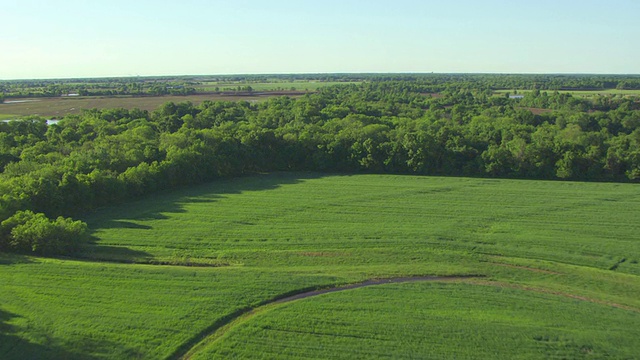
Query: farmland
[59, 107]
[52, 100]
[547, 258]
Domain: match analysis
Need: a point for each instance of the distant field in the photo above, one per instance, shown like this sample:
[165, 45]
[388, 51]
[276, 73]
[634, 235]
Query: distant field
[555, 265]
[59, 106]
[272, 86]
[583, 93]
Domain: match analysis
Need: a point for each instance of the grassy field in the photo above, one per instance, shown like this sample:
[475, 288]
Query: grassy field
[60, 106]
[433, 321]
[589, 224]
[582, 93]
[552, 256]
[60, 309]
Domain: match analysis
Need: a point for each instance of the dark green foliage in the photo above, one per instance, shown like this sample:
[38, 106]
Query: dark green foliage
[27, 232]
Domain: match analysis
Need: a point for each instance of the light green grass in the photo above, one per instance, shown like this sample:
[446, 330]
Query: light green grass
[309, 219]
[278, 233]
[433, 321]
[52, 309]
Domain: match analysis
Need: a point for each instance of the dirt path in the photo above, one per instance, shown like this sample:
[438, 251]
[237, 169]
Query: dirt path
[223, 325]
[367, 283]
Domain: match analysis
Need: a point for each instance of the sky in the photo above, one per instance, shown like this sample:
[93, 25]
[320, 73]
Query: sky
[103, 38]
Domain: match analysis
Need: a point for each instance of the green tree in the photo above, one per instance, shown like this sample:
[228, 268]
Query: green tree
[29, 232]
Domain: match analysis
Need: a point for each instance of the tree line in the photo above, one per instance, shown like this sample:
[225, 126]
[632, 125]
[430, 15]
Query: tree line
[187, 85]
[52, 173]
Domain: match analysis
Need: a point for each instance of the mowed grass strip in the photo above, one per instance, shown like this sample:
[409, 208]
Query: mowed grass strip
[433, 321]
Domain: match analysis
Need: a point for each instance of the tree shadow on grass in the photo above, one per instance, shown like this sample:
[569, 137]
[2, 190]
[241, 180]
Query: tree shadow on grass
[121, 224]
[13, 346]
[119, 254]
[10, 259]
[132, 215]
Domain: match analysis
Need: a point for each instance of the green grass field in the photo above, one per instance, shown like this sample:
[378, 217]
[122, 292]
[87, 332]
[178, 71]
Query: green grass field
[557, 266]
[364, 218]
[433, 321]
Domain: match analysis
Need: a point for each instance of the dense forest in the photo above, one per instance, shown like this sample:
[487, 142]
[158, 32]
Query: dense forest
[406, 124]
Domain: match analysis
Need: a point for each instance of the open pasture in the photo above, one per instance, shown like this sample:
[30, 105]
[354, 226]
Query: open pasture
[555, 268]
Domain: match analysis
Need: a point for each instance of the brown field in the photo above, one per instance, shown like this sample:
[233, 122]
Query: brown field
[60, 106]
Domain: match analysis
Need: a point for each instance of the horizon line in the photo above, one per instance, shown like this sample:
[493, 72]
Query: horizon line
[318, 73]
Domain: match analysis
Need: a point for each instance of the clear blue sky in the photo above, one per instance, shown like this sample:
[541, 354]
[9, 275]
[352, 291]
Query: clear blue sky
[83, 38]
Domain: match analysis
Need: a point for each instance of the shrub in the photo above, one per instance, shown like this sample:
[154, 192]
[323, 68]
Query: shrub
[29, 232]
